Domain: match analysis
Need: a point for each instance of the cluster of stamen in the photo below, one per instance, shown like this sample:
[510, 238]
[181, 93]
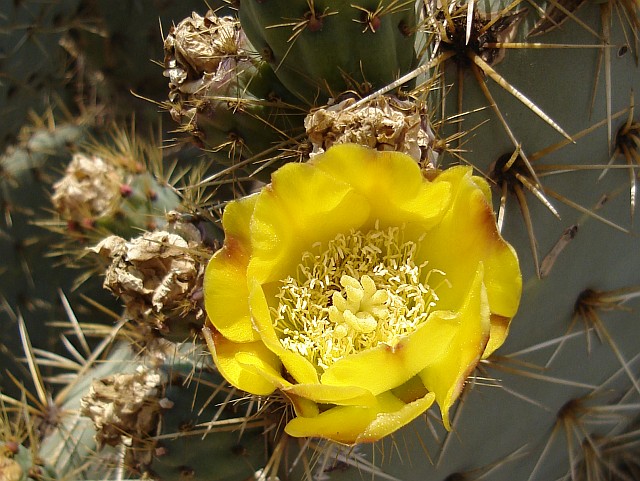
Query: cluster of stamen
[356, 292]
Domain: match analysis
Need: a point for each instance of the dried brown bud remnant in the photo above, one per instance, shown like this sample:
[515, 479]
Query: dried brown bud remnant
[10, 469]
[123, 407]
[384, 123]
[90, 189]
[158, 276]
[202, 58]
[198, 44]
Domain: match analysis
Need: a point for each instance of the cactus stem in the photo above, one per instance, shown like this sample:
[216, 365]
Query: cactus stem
[484, 472]
[569, 417]
[310, 20]
[627, 145]
[556, 14]
[584, 448]
[511, 174]
[514, 173]
[478, 51]
[328, 456]
[600, 459]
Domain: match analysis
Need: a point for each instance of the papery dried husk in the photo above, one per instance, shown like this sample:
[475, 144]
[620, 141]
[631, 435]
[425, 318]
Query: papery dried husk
[158, 276]
[123, 407]
[384, 123]
[89, 189]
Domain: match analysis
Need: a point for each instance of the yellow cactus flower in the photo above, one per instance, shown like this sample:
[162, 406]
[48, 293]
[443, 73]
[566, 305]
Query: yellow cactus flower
[361, 290]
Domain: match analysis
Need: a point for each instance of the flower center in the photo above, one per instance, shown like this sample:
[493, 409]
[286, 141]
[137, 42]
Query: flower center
[358, 291]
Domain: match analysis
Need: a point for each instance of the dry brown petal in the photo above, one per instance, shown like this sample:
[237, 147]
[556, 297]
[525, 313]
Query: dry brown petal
[197, 45]
[112, 246]
[204, 56]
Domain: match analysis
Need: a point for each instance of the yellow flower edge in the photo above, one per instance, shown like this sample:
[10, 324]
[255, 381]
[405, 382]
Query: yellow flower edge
[360, 290]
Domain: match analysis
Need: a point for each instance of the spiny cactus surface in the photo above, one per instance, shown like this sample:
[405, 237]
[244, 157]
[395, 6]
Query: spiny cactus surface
[320, 49]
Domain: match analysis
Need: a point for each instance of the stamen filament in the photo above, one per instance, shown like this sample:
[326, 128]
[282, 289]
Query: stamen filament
[358, 291]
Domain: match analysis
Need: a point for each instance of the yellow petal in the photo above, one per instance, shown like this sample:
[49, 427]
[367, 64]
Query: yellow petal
[498, 333]
[342, 424]
[236, 218]
[302, 406]
[429, 343]
[302, 206]
[466, 236]
[297, 366]
[338, 395]
[391, 182]
[388, 422]
[225, 281]
[252, 363]
[484, 186]
[446, 376]
[264, 363]
[300, 394]
[353, 424]
[226, 293]
[240, 374]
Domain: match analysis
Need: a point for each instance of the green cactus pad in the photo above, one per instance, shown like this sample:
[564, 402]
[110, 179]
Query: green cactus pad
[188, 448]
[321, 49]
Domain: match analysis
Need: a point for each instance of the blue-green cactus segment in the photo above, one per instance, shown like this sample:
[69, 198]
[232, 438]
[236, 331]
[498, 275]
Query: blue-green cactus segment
[194, 442]
[144, 205]
[71, 446]
[114, 187]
